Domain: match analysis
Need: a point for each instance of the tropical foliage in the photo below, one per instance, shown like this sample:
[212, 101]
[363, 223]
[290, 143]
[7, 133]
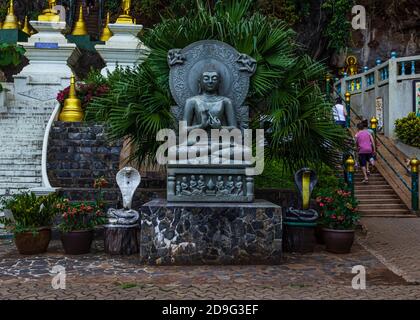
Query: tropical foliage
[10, 54]
[338, 30]
[408, 130]
[338, 210]
[285, 91]
[29, 212]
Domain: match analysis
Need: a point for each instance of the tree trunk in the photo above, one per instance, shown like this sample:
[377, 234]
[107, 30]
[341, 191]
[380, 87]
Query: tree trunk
[121, 241]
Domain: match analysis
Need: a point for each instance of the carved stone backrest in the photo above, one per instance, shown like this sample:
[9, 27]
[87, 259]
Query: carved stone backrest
[234, 68]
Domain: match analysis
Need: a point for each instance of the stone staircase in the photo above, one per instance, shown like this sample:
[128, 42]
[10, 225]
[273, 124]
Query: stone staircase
[21, 136]
[378, 198]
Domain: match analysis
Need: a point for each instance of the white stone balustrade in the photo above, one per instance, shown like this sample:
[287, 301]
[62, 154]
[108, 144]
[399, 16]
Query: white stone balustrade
[391, 83]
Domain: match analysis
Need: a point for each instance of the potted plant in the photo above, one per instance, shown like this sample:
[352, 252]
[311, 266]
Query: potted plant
[77, 226]
[339, 218]
[30, 218]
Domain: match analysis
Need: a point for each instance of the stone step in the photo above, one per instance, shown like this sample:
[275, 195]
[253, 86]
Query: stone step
[19, 185]
[369, 186]
[385, 212]
[379, 207]
[379, 197]
[19, 179]
[379, 201]
[18, 162]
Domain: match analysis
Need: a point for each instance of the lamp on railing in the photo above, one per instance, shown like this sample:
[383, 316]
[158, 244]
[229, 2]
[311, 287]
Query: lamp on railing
[327, 84]
[345, 74]
[347, 99]
[374, 127]
[350, 173]
[378, 61]
[393, 55]
[365, 69]
[414, 163]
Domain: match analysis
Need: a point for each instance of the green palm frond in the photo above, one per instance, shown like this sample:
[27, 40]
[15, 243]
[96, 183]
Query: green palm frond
[284, 91]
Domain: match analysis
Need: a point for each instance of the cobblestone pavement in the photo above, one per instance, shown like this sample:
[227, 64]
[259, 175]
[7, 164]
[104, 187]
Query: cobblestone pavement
[97, 276]
[396, 243]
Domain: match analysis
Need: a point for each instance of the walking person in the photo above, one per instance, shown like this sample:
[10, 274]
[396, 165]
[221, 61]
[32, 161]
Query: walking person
[365, 148]
[372, 160]
[340, 113]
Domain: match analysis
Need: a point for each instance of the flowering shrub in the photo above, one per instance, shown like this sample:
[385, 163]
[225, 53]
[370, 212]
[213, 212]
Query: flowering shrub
[338, 210]
[80, 216]
[85, 215]
[85, 92]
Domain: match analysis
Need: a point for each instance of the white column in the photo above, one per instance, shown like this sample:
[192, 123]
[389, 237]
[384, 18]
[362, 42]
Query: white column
[124, 48]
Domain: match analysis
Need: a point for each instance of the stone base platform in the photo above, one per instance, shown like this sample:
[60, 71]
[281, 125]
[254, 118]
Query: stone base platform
[210, 233]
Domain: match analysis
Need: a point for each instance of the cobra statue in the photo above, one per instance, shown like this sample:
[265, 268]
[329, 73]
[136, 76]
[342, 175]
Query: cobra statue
[128, 180]
[305, 180]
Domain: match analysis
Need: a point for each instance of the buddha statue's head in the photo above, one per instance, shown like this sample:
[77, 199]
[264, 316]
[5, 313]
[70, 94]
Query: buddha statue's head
[209, 82]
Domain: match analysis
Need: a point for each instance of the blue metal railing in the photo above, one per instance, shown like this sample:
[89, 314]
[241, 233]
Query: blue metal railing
[379, 153]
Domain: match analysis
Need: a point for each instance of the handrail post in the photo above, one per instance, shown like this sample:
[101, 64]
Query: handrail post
[350, 174]
[374, 127]
[414, 163]
[328, 85]
[347, 96]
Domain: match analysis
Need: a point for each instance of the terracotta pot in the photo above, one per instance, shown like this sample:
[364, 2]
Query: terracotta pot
[338, 241]
[77, 242]
[319, 235]
[28, 243]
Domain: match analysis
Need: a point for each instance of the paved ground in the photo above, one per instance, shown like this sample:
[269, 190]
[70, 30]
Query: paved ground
[97, 276]
[395, 242]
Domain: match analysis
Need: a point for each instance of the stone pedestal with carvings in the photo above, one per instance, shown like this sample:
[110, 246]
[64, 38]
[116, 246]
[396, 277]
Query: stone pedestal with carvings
[123, 49]
[210, 233]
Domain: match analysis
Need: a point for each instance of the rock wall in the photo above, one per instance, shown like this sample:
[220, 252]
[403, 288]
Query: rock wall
[182, 234]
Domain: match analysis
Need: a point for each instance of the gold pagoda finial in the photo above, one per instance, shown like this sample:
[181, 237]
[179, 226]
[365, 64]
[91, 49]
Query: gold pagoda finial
[50, 14]
[72, 110]
[80, 28]
[26, 27]
[106, 33]
[125, 18]
[11, 21]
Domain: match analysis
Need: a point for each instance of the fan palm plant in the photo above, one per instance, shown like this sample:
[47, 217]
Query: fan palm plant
[285, 90]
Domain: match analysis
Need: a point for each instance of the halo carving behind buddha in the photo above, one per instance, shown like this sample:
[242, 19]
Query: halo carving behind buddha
[189, 63]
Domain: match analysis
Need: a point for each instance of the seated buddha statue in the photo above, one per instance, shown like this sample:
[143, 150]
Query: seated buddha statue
[208, 110]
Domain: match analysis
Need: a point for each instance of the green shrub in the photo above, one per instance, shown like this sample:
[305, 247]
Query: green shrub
[277, 176]
[408, 130]
[10, 54]
[29, 212]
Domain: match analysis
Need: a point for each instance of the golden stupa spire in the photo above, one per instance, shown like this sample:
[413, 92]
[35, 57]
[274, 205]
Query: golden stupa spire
[26, 27]
[72, 110]
[106, 33]
[80, 26]
[11, 21]
[50, 14]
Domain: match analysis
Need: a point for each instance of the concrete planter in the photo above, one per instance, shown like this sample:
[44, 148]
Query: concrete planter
[409, 151]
